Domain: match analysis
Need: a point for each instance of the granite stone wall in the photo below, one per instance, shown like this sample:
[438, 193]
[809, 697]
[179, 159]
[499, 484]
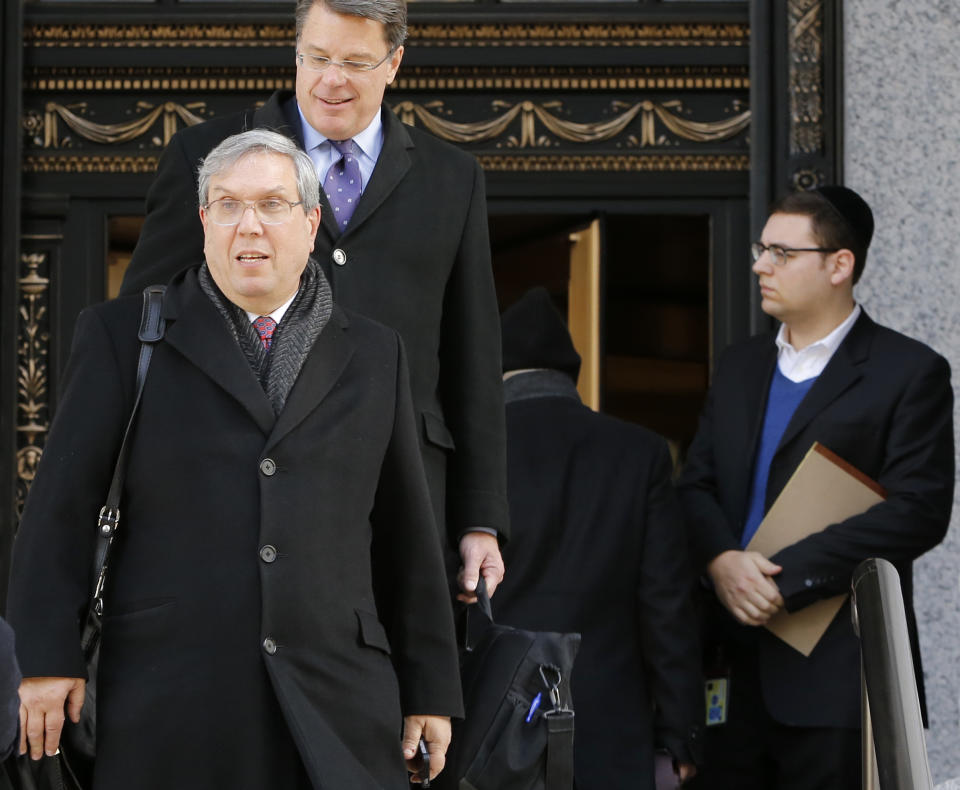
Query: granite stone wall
[902, 153]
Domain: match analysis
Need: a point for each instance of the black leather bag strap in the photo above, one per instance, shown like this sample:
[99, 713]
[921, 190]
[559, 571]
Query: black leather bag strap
[477, 617]
[152, 327]
[559, 769]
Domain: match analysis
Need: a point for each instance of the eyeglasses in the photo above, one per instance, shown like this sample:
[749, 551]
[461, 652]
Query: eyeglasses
[779, 255]
[270, 211]
[320, 64]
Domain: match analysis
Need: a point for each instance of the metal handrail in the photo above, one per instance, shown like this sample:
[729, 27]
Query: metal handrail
[894, 749]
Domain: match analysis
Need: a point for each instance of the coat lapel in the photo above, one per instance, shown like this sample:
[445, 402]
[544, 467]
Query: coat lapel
[842, 372]
[327, 222]
[322, 368]
[197, 331]
[392, 165]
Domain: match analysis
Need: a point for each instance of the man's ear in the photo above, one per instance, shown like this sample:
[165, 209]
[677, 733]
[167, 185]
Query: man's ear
[843, 264]
[394, 64]
[313, 219]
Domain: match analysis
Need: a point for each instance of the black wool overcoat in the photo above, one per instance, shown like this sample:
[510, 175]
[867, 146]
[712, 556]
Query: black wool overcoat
[277, 586]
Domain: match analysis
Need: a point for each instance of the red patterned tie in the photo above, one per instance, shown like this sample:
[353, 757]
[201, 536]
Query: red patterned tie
[265, 326]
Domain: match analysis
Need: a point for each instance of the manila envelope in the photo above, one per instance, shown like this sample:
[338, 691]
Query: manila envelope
[823, 490]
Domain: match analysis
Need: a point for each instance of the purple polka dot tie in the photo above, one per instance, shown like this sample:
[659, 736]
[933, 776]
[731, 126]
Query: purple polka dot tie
[342, 182]
[265, 326]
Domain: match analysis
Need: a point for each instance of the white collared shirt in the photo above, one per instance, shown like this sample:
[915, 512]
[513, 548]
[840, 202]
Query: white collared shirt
[369, 142]
[811, 360]
[277, 314]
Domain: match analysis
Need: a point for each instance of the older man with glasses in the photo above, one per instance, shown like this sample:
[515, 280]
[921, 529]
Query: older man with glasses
[275, 612]
[403, 240]
[879, 400]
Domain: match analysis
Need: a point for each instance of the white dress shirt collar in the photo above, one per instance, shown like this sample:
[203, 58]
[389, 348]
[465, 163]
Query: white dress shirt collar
[810, 361]
[369, 141]
[277, 314]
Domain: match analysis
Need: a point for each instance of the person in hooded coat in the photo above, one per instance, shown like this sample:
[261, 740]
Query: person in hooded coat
[598, 548]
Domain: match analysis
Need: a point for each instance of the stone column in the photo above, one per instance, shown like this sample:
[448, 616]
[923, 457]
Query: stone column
[902, 153]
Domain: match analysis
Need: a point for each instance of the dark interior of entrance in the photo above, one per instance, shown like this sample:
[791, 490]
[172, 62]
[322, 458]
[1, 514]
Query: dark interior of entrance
[654, 305]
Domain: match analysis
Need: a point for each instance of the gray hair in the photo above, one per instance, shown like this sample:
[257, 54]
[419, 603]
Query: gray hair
[260, 141]
[391, 13]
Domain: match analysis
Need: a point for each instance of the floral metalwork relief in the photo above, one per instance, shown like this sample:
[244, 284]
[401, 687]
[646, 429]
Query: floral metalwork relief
[33, 341]
[805, 31]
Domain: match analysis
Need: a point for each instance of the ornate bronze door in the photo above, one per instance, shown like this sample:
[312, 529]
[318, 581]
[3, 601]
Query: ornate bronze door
[634, 115]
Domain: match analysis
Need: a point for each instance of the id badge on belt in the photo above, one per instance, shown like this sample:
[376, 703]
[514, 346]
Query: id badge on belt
[717, 691]
[716, 688]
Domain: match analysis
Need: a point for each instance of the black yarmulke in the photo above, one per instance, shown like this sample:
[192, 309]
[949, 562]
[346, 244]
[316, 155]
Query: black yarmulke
[853, 208]
[535, 335]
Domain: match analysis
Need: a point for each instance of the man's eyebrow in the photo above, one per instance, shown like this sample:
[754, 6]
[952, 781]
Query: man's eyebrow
[266, 193]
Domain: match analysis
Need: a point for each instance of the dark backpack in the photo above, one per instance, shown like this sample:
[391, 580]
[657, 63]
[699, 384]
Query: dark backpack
[518, 730]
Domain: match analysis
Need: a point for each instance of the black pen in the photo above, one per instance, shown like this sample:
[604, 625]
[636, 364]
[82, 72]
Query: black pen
[424, 764]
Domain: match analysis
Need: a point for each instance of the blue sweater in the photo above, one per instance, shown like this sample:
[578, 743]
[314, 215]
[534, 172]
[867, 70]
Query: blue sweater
[782, 402]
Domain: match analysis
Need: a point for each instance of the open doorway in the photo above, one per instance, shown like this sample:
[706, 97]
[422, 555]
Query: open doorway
[122, 234]
[636, 292]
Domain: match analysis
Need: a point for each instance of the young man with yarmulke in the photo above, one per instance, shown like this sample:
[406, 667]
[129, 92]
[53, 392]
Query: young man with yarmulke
[879, 400]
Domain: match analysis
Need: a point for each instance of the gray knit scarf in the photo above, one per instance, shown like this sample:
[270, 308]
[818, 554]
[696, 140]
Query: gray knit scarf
[293, 338]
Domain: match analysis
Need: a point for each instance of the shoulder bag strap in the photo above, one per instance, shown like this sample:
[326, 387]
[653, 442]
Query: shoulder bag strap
[151, 331]
[477, 617]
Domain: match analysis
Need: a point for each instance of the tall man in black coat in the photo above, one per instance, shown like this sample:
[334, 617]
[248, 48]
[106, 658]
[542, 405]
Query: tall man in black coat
[598, 548]
[276, 607]
[413, 255]
[880, 401]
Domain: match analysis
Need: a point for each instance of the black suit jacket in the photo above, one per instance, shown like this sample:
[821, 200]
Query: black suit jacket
[599, 548]
[330, 552]
[884, 404]
[416, 257]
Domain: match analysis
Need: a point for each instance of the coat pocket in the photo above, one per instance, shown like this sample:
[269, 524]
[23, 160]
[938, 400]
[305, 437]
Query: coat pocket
[372, 633]
[138, 623]
[141, 607]
[436, 432]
